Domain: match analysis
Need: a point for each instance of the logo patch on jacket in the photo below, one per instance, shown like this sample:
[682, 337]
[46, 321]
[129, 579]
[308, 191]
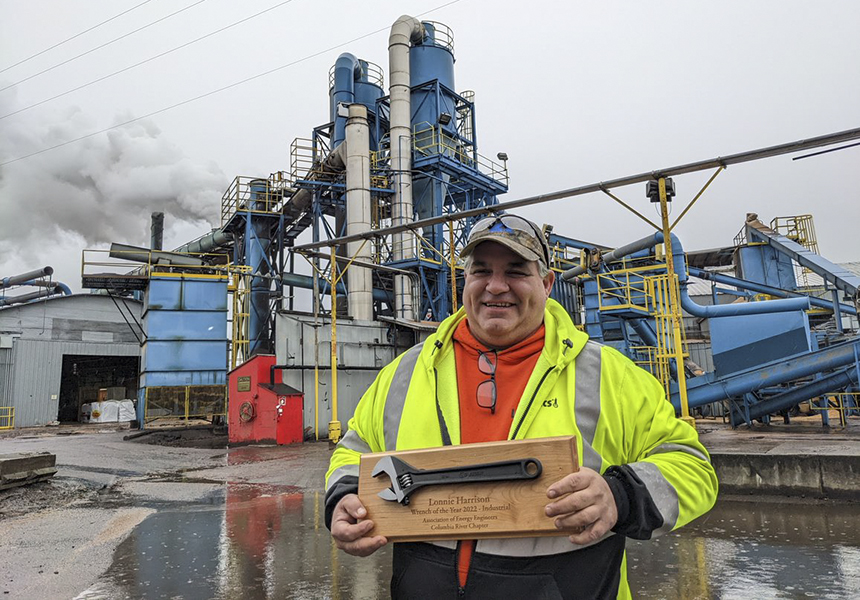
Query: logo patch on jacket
[551, 402]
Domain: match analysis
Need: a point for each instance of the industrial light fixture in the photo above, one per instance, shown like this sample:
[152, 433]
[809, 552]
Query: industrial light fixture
[502, 156]
[444, 118]
[652, 190]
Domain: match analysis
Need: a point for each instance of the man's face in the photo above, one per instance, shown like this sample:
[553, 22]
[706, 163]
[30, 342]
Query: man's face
[504, 295]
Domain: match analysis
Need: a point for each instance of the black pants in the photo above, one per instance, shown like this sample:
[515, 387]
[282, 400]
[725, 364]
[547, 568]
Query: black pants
[426, 571]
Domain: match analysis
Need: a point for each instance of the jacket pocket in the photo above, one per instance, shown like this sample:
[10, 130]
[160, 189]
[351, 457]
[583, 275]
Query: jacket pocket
[483, 585]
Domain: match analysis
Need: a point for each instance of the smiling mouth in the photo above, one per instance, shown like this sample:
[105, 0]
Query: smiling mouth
[498, 304]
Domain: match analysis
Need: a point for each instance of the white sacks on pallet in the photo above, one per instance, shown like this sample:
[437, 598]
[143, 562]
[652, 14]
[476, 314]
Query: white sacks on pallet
[109, 411]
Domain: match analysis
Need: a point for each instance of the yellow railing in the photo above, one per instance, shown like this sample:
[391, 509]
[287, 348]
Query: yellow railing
[660, 295]
[306, 160]
[379, 169]
[151, 263]
[655, 360]
[801, 229]
[838, 403]
[239, 287]
[7, 417]
[627, 287]
[255, 194]
[428, 139]
[302, 158]
[185, 402]
[563, 258]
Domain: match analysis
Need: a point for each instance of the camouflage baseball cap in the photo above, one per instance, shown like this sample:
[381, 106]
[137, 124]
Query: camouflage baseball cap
[519, 234]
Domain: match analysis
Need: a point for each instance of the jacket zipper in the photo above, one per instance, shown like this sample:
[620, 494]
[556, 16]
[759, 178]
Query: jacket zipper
[529, 405]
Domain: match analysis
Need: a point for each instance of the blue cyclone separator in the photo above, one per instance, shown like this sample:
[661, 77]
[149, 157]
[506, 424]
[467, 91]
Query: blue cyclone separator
[351, 85]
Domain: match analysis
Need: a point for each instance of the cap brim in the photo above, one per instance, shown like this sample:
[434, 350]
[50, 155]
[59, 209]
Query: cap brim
[518, 248]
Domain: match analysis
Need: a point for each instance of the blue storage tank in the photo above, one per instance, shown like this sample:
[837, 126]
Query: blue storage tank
[433, 59]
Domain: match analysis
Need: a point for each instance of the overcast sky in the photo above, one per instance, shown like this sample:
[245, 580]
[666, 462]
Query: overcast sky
[574, 92]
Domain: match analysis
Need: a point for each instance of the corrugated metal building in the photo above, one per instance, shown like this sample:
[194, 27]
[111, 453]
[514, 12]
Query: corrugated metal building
[56, 354]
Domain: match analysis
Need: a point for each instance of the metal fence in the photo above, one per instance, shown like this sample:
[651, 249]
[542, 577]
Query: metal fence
[185, 402]
[7, 417]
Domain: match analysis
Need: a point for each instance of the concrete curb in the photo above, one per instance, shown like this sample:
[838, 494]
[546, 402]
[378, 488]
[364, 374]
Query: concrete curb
[789, 475]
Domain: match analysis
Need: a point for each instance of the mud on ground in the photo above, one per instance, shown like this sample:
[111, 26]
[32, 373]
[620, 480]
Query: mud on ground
[54, 493]
[199, 437]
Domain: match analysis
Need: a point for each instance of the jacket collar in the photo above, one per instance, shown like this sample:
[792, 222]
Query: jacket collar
[563, 340]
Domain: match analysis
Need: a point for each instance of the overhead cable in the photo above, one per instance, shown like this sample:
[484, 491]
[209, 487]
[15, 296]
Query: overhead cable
[210, 93]
[826, 151]
[150, 59]
[103, 45]
[58, 44]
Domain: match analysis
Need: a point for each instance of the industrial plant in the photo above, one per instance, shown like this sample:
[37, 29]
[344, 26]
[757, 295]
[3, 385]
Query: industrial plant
[276, 322]
[169, 413]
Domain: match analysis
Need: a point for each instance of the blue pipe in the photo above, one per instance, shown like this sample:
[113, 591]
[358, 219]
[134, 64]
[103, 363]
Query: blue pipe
[764, 289]
[343, 91]
[784, 371]
[820, 387]
[257, 242]
[725, 310]
[57, 284]
[306, 282]
[687, 303]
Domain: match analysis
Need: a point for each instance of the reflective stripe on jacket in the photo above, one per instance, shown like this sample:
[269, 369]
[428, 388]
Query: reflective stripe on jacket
[617, 411]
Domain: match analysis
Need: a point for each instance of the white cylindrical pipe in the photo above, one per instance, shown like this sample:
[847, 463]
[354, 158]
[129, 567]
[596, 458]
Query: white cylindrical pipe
[404, 32]
[358, 211]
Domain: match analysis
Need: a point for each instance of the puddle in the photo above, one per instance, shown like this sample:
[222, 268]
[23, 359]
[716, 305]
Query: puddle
[265, 541]
[753, 550]
[268, 541]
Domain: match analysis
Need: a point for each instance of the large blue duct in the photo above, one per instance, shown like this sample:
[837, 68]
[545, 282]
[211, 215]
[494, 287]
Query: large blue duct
[764, 289]
[706, 389]
[64, 289]
[257, 242]
[835, 381]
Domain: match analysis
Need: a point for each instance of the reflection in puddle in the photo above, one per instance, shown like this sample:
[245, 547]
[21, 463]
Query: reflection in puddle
[271, 542]
[753, 550]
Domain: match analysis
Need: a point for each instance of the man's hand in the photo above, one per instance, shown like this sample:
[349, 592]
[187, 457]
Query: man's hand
[348, 533]
[589, 508]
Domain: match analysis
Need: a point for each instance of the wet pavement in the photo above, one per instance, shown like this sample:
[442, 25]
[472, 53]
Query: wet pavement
[187, 524]
[264, 542]
[269, 542]
[761, 550]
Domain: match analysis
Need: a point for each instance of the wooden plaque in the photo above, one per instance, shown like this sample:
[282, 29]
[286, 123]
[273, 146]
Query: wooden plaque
[469, 510]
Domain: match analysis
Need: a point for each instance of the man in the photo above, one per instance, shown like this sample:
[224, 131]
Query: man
[511, 365]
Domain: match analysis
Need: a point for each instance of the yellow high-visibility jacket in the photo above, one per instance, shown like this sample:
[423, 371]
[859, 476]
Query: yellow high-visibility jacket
[617, 411]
